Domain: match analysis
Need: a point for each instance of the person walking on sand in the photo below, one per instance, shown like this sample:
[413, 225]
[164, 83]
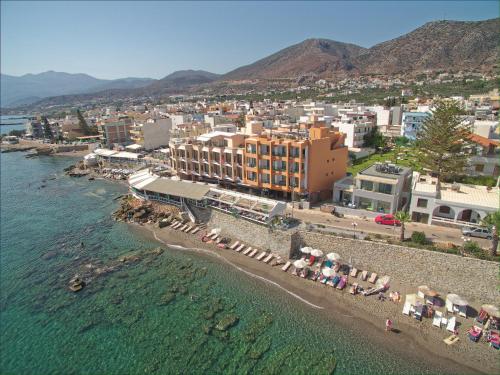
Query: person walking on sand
[388, 325]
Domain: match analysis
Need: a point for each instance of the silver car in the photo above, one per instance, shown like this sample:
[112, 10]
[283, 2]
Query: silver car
[477, 232]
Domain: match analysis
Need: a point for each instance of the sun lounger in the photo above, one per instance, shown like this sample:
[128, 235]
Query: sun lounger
[234, 245]
[364, 275]
[286, 266]
[304, 273]
[452, 322]
[174, 223]
[336, 268]
[189, 227]
[195, 230]
[183, 227]
[342, 282]
[354, 272]
[268, 258]
[177, 225]
[261, 255]
[373, 278]
[436, 321]
[239, 248]
[482, 317]
[407, 308]
[451, 340]
[323, 279]
[247, 250]
[335, 280]
[329, 263]
[252, 254]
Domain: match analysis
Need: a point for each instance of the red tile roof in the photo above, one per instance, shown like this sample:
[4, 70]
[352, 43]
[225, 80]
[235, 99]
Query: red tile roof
[483, 141]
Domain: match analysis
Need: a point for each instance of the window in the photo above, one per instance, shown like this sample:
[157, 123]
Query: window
[422, 203]
[252, 176]
[385, 188]
[444, 209]
[367, 185]
[265, 178]
[479, 167]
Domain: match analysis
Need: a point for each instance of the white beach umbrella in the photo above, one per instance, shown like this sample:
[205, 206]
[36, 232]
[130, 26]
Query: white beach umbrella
[299, 263]
[456, 300]
[333, 256]
[316, 253]
[306, 249]
[328, 272]
[491, 310]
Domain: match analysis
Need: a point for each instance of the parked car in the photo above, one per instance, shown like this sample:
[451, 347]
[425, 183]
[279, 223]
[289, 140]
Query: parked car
[477, 232]
[387, 220]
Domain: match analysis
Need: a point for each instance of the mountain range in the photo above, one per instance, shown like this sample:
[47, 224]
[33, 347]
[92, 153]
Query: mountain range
[436, 46]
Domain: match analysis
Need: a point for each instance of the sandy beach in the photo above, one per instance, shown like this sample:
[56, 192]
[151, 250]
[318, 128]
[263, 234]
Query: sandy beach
[413, 339]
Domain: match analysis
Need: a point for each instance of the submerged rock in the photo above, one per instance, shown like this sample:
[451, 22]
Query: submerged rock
[167, 298]
[227, 322]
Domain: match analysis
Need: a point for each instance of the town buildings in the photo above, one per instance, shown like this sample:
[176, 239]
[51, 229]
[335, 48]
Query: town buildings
[383, 188]
[434, 202]
[115, 130]
[151, 134]
[484, 159]
[412, 123]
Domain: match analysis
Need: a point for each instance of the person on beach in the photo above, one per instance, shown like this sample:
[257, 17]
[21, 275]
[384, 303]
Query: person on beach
[388, 325]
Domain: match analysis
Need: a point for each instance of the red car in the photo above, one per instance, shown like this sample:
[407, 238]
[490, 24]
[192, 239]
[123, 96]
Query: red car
[387, 220]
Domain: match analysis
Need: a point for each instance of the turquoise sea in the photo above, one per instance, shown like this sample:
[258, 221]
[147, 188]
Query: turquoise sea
[159, 312]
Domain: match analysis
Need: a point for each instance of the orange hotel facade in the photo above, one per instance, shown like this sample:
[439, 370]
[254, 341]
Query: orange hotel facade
[307, 166]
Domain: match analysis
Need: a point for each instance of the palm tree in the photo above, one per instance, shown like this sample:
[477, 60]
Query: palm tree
[492, 221]
[403, 217]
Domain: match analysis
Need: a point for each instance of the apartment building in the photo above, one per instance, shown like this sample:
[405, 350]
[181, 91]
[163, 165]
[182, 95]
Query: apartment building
[115, 130]
[412, 123]
[383, 188]
[307, 166]
[214, 156]
[355, 126]
[189, 129]
[151, 134]
[71, 128]
[484, 159]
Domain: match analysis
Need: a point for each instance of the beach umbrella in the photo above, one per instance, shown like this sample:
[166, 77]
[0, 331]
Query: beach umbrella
[491, 310]
[426, 291]
[333, 256]
[456, 300]
[328, 272]
[306, 250]
[299, 263]
[316, 253]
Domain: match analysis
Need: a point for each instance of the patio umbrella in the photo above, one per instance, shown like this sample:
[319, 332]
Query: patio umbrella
[299, 263]
[333, 256]
[328, 272]
[456, 300]
[306, 249]
[317, 253]
[491, 310]
[426, 291]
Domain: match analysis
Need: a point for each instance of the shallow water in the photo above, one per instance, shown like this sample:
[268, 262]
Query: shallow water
[158, 312]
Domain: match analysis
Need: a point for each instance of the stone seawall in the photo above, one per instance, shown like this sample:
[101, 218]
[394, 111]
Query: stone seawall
[475, 279]
[253, 234]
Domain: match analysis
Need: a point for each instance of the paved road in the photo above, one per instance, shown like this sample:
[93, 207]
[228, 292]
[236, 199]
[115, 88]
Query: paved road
[434, 232]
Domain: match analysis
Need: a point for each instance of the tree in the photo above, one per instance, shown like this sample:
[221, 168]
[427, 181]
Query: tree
[83, 124]
[374, 139]
[441, 141]
[46, 129]
[492, 221]
[403, 217]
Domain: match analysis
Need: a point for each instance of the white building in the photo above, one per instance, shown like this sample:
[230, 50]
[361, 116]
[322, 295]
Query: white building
[442, 203]
[412, 123]
[152, 134]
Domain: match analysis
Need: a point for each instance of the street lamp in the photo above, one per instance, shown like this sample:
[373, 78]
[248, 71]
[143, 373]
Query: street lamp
[354, 225]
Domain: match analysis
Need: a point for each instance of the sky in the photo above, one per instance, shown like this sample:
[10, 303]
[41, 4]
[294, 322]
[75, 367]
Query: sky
[153, 39]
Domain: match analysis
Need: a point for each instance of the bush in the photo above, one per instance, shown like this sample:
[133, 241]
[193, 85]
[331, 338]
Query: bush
[419, 237]
[474, 249]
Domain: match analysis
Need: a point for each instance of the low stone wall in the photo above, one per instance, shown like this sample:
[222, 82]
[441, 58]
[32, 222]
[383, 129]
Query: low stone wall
[475, 279]
[253, 234]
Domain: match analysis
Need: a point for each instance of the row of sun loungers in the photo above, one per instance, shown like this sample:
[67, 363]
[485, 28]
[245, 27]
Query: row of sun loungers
[179, 225]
